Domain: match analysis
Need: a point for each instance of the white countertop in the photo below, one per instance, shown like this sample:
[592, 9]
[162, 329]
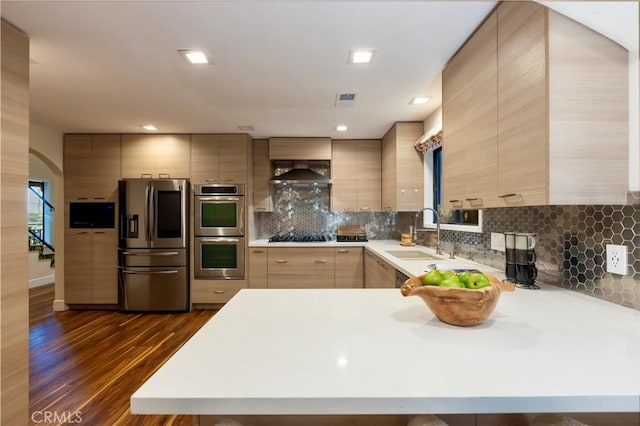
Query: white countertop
[372, 351]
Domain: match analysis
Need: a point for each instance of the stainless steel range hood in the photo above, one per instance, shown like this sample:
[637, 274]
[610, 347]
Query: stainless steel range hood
[301, 175]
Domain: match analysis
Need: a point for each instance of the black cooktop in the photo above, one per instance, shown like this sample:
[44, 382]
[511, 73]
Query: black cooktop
[298, 238]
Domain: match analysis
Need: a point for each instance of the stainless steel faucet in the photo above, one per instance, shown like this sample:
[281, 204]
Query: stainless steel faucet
[415, 227]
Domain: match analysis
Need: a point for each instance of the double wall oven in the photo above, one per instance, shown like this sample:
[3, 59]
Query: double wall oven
[219, 231]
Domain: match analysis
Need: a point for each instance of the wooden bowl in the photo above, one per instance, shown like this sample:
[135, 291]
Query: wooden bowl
[458, 306]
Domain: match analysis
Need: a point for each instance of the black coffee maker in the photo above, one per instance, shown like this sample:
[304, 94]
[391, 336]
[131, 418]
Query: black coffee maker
[520, 266]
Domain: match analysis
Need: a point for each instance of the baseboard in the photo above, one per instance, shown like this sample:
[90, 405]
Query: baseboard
[40, 281]
[59, 305]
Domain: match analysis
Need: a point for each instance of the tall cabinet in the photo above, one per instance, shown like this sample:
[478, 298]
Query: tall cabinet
[535, 112]
[402, 168]
[92, 169]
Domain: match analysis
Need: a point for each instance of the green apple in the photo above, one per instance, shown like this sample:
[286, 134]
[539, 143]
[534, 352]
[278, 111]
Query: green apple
[432, 278]
[446, 273]
[452, 282]
[478, 281]
[464, 277]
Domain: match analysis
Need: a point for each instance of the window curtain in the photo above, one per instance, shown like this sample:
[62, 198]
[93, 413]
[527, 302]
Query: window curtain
[429, 141]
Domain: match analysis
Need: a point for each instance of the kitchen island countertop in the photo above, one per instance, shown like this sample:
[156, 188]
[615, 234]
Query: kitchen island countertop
[372, 351]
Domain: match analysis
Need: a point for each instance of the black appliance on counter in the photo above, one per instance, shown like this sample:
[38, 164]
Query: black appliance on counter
[153, 252]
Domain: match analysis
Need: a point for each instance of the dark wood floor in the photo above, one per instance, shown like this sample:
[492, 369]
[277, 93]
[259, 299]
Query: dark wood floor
[84, 365]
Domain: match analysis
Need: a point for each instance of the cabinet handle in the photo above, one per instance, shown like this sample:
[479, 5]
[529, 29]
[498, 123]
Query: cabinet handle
[321, 261]
[98, 198]
[164, 175]
[281, 261]
[343, 251]
[146, 175]
[83, 198]
[218, 292]
[364, 208]
[258, 251]
[211, 180]
[472, 199]
[82, 233]
[507, 195]
[227, 180]
[454, 201]
[260, 208]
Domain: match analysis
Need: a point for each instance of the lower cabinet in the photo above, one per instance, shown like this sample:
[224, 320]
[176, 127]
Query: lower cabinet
[215, 291]
[377, 272]
[349, 267]
[91, 266]
[289, 267]
[257, 267]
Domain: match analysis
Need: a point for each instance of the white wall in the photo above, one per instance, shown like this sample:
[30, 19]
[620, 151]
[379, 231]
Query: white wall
[47, 142]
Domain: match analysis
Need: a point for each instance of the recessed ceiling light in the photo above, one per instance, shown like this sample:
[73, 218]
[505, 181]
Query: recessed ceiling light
[342, 127]
[361, 56]
[245, 128]
[149, 127]
[194, 57]
[419, 100]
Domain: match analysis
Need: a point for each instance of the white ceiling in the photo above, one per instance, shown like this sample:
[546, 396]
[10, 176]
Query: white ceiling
[112, 66]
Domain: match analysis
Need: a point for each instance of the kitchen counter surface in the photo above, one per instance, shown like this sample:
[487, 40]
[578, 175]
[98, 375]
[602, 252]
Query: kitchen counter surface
[381, 248]
[372, 351]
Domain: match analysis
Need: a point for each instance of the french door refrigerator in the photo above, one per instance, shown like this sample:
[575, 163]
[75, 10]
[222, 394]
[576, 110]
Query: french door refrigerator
[153, 252]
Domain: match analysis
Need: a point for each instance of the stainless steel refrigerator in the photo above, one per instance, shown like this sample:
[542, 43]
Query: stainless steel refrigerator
[153, 252]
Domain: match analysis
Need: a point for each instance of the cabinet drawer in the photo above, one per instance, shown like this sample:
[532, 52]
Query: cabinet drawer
[300, 268]
[214, 291]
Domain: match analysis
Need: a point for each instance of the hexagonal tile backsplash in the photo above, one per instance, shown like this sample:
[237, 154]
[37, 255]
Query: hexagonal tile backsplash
[570, 249]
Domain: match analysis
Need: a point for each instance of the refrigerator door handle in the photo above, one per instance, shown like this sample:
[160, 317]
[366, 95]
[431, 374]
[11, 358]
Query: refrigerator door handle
[172, 271]
[166, 253]
[146, 214]
[154, 213]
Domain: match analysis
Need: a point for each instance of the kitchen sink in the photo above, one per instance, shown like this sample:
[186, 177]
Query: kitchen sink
[411, 254]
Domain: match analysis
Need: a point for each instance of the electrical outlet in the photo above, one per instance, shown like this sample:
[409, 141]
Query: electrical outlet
[617, 259]
[497, 241]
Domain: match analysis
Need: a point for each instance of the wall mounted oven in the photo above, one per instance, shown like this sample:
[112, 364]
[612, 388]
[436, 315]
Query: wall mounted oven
[219, 210]
[219, 258]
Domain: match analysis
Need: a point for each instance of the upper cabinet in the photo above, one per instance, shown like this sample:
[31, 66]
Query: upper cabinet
[300, 149]
[91, 167]
[561, 132]
[356, 176]
[157, 156]
[402, 168]
[219, 158]
[470, 113]
[262, 201]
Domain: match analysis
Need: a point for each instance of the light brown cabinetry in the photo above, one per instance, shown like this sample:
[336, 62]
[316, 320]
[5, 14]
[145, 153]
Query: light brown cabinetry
[561, 90]
[258, 267]
[290, 267]
[470, 113]
[219, 158]
[155, 156]
[349, 267]
[402, 168]
[377, 272]
[356, 174]
[214, 291]
[262, 201]
[91, 265]
[91, 167]
[300, 149]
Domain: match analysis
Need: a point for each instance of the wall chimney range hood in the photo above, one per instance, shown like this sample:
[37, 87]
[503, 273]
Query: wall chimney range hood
[300, 175]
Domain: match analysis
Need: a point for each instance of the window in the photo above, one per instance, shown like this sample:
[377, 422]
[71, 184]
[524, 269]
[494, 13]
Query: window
[457, 220]
[40, 214]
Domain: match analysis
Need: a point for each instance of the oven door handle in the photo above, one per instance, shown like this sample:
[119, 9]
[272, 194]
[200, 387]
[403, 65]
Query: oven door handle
[217, 198]
[166, 253]
[218, 240]
[172, 271]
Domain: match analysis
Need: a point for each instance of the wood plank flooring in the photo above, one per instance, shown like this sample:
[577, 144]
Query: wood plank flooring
[84, 365]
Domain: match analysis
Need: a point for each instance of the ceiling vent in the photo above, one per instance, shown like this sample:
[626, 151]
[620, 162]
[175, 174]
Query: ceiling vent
[346, 99]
